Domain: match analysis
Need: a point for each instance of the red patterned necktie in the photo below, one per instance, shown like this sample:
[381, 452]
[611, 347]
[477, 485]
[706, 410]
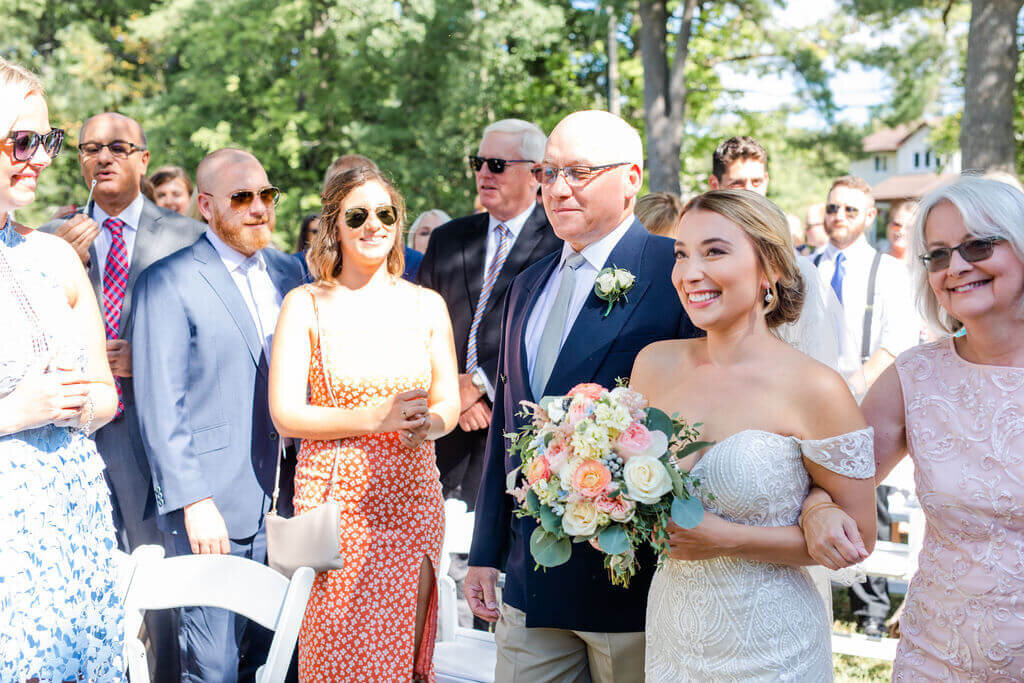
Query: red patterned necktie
[115, 284]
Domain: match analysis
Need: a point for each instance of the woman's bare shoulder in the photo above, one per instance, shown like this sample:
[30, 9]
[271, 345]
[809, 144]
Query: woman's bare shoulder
[661, 361]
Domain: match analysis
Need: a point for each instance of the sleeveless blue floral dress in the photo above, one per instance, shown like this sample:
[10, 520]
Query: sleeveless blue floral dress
[60, 611]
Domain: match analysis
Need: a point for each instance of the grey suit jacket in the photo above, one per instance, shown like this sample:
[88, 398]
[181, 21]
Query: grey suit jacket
[201, 373]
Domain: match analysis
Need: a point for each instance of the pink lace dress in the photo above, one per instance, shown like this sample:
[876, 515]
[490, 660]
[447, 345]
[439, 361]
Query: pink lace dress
[964, 615]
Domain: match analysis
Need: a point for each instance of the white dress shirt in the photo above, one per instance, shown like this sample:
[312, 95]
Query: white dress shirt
[131, 216]
[894, 320]
[262, 298]
[596, 255]
[514, 226]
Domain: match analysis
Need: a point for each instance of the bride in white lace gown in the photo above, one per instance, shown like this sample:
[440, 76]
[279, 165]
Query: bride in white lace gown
[735, 601]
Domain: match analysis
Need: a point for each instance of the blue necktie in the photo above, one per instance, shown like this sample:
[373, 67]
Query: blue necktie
[838, 275]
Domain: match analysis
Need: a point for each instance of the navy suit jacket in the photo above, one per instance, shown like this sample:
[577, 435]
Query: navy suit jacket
[201, 387]
[577, 595]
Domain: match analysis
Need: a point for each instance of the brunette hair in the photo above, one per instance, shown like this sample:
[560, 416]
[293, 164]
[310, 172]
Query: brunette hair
[324, 255]
[855, 183]
[659, 212]
[167, 173]
[737, 149]
[768, 230]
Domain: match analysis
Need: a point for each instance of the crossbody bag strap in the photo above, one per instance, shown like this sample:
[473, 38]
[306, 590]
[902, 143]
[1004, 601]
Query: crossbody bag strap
[327, 383]
[865, 346]
[277, 474]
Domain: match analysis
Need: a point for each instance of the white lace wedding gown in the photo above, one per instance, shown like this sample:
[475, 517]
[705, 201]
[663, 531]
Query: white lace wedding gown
[728, 619]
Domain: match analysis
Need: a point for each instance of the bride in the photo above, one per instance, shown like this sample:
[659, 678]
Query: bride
[735, 600]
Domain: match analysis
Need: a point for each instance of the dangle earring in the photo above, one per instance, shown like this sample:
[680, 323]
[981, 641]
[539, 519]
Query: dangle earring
[768, 296]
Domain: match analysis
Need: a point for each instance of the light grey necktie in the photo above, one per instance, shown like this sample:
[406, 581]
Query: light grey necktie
[554, 328]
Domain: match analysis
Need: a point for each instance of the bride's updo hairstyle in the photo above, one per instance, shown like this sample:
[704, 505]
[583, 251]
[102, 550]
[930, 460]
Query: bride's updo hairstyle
[768, 231]
[324, 255]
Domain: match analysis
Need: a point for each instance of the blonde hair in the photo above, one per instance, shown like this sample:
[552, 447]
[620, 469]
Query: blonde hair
[989, 208]
[324, 255]
[768, 230]
[16, 83]
[659, 212]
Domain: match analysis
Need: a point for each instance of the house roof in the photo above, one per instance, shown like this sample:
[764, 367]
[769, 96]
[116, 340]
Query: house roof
[891, 139]
[911, 186]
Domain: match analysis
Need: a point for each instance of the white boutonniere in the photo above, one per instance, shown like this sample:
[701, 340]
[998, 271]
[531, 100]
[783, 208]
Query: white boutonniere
[613, 284]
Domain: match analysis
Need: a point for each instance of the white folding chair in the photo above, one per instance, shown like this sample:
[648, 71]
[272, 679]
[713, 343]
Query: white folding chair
[251, 589]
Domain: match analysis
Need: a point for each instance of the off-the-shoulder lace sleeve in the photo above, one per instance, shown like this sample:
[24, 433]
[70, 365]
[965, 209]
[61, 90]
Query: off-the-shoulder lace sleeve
[851, 455]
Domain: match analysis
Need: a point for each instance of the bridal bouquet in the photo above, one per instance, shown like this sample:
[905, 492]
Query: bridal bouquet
[599, 465]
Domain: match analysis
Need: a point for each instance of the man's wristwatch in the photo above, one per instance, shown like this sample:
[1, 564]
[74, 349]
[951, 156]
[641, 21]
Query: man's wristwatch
[478, 381]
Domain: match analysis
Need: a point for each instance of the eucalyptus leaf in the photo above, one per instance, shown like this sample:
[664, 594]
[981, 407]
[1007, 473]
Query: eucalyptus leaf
[613, 540]
[687, 512]
[510, 479]
[549, 550]
[693, 448]
[658, 420]
[678, 490]
[550, 521]
[532, 502]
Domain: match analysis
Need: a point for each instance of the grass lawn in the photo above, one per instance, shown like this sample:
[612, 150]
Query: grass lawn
[857, 668]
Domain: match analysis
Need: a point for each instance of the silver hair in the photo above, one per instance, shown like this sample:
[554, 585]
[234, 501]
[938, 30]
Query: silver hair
[419, 219]
[990, 208]
[531, 138]
[16, 83]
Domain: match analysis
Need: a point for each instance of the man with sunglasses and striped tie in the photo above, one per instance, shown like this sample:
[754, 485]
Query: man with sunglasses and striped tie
[118, 235]
[471, 261]
[881, 323]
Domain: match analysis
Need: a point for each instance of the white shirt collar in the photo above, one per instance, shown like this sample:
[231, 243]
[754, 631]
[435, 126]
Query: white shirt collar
[597, 253]
[514, 224]
[233, 259]
[131, 215]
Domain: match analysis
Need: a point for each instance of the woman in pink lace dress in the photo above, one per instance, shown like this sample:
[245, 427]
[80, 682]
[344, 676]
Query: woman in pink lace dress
[957, 406]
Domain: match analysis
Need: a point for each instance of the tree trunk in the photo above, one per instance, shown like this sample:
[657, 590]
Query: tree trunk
[986, 134]
[664, 91]
[614, 105]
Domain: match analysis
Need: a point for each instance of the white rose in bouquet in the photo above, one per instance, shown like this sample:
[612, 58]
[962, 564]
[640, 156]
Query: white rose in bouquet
[646, 479]
[580, 519]
[624, 279]
[605, 283]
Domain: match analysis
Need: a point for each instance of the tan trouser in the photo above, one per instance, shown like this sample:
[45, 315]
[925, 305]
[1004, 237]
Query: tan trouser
[540, 655]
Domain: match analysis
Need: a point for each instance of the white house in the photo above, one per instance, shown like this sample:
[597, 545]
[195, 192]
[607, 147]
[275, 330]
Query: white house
[900, 164]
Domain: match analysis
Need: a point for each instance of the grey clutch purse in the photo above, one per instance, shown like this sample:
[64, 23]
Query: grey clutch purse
[307, 540]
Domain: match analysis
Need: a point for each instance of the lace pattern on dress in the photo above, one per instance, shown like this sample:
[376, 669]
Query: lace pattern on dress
[851, 455]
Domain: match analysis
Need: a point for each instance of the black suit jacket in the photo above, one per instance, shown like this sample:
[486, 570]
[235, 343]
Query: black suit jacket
[454, 267]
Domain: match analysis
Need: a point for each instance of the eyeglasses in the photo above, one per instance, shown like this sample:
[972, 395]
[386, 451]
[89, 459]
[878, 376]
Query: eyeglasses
[972, 251]
[576, 176]
[243, 198]
[26, 142]
[494, 165]
[118, 148]
[850, 211]
[354, 218]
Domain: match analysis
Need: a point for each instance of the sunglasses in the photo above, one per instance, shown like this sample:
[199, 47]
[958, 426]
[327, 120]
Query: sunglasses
[118, 148]
[494, 165]
[354, 218]
[576, 176]
[850, 211]
[26, 142]
[972, 251]
[243, 198]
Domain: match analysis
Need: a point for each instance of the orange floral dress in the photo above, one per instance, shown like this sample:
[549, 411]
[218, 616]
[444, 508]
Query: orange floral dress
[360, 620]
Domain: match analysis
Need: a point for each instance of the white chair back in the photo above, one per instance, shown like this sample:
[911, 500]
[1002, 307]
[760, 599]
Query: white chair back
[233, 583]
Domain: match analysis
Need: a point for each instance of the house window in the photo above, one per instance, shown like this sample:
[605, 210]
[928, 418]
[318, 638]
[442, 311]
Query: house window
[917, 160]
[927, 158]
[885, 163]
[878, 163]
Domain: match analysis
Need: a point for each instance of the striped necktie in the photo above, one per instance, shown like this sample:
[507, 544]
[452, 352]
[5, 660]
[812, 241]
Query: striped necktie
[115, 285]
[493, 269]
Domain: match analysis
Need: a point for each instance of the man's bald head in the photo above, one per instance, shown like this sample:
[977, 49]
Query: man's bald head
[605, 137]
[216, 168]
[113, 119]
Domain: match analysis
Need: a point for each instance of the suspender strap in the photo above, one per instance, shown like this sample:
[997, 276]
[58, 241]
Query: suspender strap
[865, 346]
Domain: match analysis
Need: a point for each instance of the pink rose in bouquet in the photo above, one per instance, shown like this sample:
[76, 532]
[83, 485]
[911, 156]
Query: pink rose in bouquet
[537, 470]
[591, 479]
[579, 409]
[620, 508]
[638, 440]
[588, 390]
[557, 455]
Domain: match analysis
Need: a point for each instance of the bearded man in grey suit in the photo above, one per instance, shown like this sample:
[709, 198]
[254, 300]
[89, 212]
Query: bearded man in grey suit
[117, 236]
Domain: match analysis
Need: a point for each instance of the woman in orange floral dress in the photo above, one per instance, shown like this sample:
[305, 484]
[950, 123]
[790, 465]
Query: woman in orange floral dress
[364, 372]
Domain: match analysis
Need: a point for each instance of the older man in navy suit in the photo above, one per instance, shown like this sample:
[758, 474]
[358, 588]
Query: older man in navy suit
[569, 623]
[203, 330]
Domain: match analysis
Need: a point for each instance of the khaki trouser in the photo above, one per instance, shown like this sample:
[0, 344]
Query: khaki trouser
[539, 655]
